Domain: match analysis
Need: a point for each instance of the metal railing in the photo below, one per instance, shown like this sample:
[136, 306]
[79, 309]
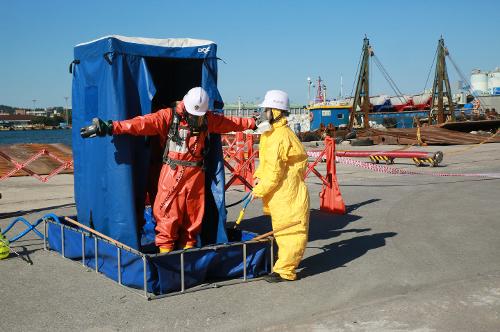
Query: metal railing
[145, 258]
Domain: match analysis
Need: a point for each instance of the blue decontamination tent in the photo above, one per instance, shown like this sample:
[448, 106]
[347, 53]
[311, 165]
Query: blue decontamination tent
[118, 78]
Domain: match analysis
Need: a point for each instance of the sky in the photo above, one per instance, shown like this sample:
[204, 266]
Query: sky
[265, 44]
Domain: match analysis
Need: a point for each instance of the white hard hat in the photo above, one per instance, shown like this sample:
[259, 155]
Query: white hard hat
[196, 101]
[276, 99]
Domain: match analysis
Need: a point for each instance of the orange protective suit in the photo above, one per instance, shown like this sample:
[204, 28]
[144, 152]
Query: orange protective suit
[180, 202]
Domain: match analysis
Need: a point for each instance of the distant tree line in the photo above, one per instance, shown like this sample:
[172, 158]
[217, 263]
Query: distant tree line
[12, 110]
[49, 121]
[8, 109]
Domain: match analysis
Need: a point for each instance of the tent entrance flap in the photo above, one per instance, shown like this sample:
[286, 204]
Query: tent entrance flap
[173, 78]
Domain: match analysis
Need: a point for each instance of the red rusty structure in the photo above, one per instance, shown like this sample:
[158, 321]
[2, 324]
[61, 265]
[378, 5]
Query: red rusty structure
[239, 159]
[23, 166]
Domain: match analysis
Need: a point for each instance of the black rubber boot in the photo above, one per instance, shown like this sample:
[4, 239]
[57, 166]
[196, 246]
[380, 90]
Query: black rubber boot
[274, 278]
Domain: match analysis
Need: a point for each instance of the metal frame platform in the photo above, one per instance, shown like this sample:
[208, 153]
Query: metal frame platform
[145, 257]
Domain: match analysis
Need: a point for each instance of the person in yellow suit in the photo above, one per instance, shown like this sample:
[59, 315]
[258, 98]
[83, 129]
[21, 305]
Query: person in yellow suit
[281, 186]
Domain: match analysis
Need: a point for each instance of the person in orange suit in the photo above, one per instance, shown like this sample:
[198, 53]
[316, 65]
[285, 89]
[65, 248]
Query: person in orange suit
[179, 205]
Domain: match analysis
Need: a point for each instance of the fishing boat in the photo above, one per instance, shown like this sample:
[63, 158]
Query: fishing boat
[399, 110]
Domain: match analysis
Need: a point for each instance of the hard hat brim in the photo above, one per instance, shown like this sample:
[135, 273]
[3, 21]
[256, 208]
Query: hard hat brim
[264, 105]
[195, 112]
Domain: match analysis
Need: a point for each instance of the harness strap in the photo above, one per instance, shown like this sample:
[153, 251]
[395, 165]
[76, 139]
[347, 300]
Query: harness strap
[173, 163]
[172, 131]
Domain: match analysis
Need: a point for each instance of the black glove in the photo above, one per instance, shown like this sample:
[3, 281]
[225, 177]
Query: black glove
[97, 128]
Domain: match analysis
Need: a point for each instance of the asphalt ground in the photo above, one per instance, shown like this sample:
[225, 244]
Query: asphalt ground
[413, 253]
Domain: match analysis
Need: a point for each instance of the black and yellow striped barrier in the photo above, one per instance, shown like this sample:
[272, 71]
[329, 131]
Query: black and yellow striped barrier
[377, 159]
[432, 161]
[419, 157]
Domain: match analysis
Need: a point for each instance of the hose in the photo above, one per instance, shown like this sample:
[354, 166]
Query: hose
[248, 199]
[238, 202]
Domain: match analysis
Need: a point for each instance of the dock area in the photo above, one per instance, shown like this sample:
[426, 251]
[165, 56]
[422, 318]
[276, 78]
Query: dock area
[413, 253]
[39, 159]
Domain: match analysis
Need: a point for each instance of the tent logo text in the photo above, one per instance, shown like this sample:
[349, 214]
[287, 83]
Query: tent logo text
[204, 50]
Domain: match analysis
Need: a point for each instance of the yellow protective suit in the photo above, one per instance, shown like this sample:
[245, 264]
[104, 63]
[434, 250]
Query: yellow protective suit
[283, 162]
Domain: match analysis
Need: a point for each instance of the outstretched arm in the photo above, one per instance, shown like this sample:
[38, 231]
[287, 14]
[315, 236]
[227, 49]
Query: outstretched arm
[147, 125]
[220, 124]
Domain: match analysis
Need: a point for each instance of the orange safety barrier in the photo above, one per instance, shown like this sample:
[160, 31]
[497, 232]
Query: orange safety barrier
[244, 159]
[330, 197]
[239, 159]
[18, 166]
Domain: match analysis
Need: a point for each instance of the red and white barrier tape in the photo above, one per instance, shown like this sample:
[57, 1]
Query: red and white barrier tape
[314, 153]
[400, 171]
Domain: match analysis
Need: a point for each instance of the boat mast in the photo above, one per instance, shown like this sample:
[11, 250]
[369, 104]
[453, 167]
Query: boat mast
[320, 95]
[362, 94]
[341, 88]
[441, 86]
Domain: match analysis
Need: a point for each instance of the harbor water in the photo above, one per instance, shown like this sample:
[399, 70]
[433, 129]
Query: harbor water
[36, 136]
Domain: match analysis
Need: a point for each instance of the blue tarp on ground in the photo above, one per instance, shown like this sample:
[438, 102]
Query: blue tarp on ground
[119, 78]
[163, 272]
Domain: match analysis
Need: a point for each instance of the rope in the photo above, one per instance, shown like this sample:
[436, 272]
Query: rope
[400, 171]
[473, 146]
[358, 68]
[404, 147]
[389, 79]
[430, 70]
[462, 76]
[419, 137]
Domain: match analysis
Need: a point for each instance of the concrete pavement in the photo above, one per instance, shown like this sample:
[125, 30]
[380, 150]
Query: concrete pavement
[414, 253]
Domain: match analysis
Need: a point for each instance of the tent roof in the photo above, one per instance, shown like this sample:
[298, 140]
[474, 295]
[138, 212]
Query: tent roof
[169, 42]
[170, 47]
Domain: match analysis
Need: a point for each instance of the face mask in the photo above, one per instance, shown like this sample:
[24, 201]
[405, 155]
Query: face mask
[268, 115]
[196, 123]
[263, 127]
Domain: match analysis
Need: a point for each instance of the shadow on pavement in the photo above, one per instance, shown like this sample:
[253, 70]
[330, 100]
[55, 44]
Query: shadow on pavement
[322, 225]
[23, 255]
[25, 212]
[354, 207]
[338, 254]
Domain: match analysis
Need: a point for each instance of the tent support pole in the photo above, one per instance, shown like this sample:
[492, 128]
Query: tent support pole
[96, 255]
[145, 278]
[83, 249]
[182, 273]
[244, 261]
[272, 254]
[62, 241]
[45, 234]
[119, 263]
